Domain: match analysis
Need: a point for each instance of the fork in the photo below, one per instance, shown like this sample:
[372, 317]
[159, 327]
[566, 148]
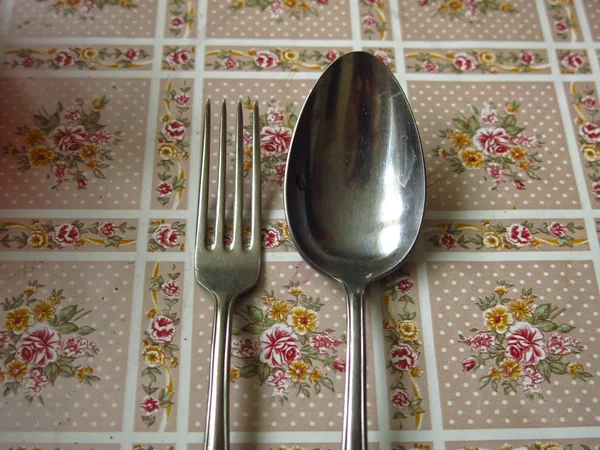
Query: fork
[226, 271]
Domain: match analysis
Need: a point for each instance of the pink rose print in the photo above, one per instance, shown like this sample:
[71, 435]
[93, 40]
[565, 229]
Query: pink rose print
[430, 66]
[70, 138]
[74, 114]
[561, 27]
[244, 348]
[39, 347]
[527, 58]
[589, 102]
[271, 237]
[162, 329]
[495, 171]
[171, 289]
[573, 61]
[423, 2]
[531, 380]
[89, 7]
[339, 365]
[60, 171]
[280, 173]
[374, 2]
[448, 240]
[182, 99]
[596, 189]
[525, 141]
[166, 236]
[81, 183]
[150, 405]
[489, 116]
[481, 342]
[526, 344]
[108, 229]
[464, 62]
[519, 235]
[275, 114]
[76, 347]
[164, 189]
[383, 57]
[132, 54]
[65, 234]
[230, 63]
[369, 22]
[404, 285]
[557, 229]
[265, 59]
[279, 381]
[401, 399]
[4, 340]
[28, 62]
[38, 377]
[247, 137]
[492, 141]
[561, 344]
[332, 55]
[403, 357]
[519, 184]
[177, 23]
[102, 138]
[323, 342]
[469, 364]
[65, 58]
[275, 10]
[590, 132]
[174, 130]
[275, 139]
[279, 346]
[178, 58]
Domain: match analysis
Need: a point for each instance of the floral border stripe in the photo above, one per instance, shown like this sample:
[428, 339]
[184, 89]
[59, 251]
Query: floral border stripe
[179, 58]
[272, 59]
[373, 19]
[181, 19]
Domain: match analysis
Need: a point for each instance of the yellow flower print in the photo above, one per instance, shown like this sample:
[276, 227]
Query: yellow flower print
[167, 151]
[98, 104]
[494, 374]
[493, 240]
[82, 371]
[54, 300]
[18, 320]
[590, 152]
[1, 376]
[278, 310]
[316, 375]
[456, 5]
[30, 290]
[151, 313]
[471, 158]
[34, 136]
[520, 309]
[506, 447]
[416, 372]
[234, 373]
[89, 152]
[290, 55]
[525, 165]
[501, 289]
[290, 3]
[498, 319]
[43, 311]
[460, 140]
[89, 54]
[517, 154]
[284, 229]
[551, 446]
[174, 362]
[248, 158]
[41, 156]
[421, 447]
[303, 320]
[37, 239]
[298, 370]
[16, 370]
[486, 57]
[295, 290]
[408, 330]
[153, 356]
[507, 7]
[575, 368]
[511, 368]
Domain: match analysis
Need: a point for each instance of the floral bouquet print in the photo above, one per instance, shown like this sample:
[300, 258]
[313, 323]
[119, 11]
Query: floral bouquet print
[85, 9]
[470, 10]
[68, 145]
[494, 144]
[41, 342]
[522, 345]
[277, 10]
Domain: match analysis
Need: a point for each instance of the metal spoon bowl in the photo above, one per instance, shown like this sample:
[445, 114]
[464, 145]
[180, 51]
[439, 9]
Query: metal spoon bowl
[355, 195]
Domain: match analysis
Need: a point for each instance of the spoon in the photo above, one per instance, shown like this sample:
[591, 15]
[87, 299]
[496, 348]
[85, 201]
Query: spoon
[355, 196]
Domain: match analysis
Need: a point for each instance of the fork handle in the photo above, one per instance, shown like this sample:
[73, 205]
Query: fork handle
[216, 435]
[355, 411]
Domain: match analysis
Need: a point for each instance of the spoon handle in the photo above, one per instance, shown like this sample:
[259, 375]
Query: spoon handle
[355, 413]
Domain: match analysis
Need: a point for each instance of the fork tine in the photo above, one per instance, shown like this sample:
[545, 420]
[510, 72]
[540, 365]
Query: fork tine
[238, 202]
[203, 196]
[220, 218]
[256, 197]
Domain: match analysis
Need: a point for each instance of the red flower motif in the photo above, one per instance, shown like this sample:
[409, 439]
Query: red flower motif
[403, 357]
[401, 399]
[469, 364]
[573, 61]
[280, 172]
[102, 138]
[481, 342]
[39, 347]
[60, 171]
[430, 66]
[65, 58]
[108, 229]
[589, 102]
[244, 348]
[405, 285]
[590, 132]
[495, 171]
[166, 236]
[561, 27]
[81, 183]
[38, 377]
[164, 189]
[448, 240]
[492, 141]
[150, 405]
[596, 189]
[265, 59]
[275, 114]
[522, 140]
[557, 229]
[28, 62]
[69, 138]
[162, 329]
[174, 130]
[279, 346]
[177, 22]
[178, 58]
[74, 114]
[182, 99]
[339, 365]
[519, 235]
[383, 57]
[275, 139]
[279, 380]
[464, 62]
[324, 342]
[561, 344]
[171, 289]
[526, 344]
[76, 347]
[527, 58]
[519, 184]
[271, 237]
[4, 339]
[369, 22]
[332, 55]
[531, 380]
[230, 63]
[131, 54]
[65, 234]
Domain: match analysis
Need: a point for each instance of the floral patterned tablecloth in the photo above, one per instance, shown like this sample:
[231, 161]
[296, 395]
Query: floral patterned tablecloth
[486, 338]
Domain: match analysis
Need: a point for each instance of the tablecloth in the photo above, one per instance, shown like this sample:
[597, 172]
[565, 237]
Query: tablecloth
[486, 338]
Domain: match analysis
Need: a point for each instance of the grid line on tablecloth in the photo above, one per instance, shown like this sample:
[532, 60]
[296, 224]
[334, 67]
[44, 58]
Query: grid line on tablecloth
[383, 435]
